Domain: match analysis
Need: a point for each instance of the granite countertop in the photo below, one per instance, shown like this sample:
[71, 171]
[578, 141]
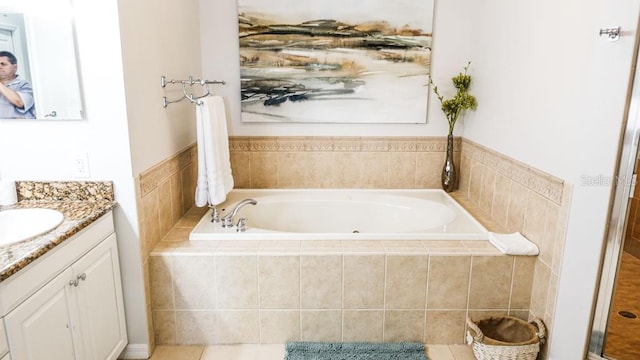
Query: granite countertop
[81, 202]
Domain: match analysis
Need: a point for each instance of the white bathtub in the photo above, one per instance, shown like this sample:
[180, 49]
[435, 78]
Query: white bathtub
[344, 214]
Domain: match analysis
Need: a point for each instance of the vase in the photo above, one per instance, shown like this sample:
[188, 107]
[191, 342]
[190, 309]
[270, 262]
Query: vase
[449, 175]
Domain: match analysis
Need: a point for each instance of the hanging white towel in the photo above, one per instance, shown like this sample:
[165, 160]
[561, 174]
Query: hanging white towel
[214, 165]
[513, 244]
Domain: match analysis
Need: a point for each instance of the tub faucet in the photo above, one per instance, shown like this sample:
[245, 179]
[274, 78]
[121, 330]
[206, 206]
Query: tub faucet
[227, 220]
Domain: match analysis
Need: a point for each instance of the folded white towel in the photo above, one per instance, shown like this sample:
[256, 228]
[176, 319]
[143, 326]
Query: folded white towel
[214, 165]
[513, 244]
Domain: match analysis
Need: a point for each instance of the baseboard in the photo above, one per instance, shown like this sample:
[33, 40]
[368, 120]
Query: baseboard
[135, 352]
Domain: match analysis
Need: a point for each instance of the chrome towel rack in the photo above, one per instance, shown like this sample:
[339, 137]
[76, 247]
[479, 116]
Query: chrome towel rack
[188, 95]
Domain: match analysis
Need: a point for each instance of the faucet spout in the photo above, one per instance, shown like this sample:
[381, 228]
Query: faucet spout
[227, 220]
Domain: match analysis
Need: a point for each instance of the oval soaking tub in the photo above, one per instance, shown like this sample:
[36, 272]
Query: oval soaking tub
[342, 214]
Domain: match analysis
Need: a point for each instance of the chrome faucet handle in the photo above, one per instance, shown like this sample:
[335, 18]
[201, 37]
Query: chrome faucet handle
[227, 222]
[215, 215]
[242, 223]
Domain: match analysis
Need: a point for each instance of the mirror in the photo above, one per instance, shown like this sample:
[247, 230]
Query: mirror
[40, 34]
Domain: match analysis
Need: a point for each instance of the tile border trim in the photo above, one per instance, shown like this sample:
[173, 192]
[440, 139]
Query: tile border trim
[546, 185]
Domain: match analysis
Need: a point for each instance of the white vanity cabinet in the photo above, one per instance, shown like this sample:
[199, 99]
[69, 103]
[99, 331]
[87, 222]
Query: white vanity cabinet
[78, 311]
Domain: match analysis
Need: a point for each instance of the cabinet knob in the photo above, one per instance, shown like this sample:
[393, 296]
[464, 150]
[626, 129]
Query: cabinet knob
[75, 282]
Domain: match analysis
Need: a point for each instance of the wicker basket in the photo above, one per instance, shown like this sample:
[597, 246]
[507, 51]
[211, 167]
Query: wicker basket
[505, 338]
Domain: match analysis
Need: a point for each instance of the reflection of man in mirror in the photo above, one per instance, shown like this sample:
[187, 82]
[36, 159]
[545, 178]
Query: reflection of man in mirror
[16, 94]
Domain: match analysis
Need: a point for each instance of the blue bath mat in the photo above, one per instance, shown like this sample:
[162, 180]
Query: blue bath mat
[354, 351]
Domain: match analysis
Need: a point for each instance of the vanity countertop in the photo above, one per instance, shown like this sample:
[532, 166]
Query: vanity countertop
[81, 202]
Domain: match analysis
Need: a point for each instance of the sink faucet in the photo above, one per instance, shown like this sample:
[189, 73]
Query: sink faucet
[227, 220]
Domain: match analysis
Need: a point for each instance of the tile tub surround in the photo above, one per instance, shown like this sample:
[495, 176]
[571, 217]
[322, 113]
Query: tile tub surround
[224, 292]
[166, 191]
[339, 162]
[80, 202]
[509, 194]
[517, 197]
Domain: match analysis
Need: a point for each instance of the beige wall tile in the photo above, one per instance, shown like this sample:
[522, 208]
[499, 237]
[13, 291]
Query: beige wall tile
[375, 170]
[292, 170]
[475, 182]
[150, 330]
[161, 283]
[177, 210]
[347, 169]
[279, 282]
[465, 172]
[487, 189]
[279, 326]
[500, 205]
[194, 282]
[264, 170]
[404, 325]
[540, 289]
[320, 170]
[165, 211]
[490, 282]
[551, 296]
[321, 282]
[196, 327]
[523, 270]
[429, 169]
[474, 315]
[241, 169]
[346, 144]
[374, 144]
[445, 327]
[236, 282]
[521, 314]
[188, 182]
[364, 282]
[550, 233]
[238, 326]
[362, 325]
[518, 196]
[402, 170]
[534, 219]
[164, 327]
[321, 325]
[406, 282]
[151, 219]
[448, 282]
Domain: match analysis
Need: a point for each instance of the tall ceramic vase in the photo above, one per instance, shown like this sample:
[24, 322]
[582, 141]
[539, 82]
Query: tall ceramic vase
[449, 173]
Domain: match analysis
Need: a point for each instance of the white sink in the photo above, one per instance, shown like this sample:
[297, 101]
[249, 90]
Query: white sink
[22, 224]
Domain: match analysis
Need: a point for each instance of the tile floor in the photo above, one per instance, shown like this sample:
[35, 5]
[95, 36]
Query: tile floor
[623, 333]
[276, 352]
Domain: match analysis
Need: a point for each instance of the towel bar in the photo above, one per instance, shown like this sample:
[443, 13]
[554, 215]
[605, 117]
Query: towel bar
[189, 96]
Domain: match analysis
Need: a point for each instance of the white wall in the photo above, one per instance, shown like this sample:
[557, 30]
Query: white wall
[159, 38]
[552, 94]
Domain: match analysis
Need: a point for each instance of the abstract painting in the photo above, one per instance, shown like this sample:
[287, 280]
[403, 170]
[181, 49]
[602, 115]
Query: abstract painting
[335, 61]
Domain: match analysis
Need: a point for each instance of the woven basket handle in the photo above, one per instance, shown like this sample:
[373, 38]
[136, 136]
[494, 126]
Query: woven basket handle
[542, 330]
[478, 333]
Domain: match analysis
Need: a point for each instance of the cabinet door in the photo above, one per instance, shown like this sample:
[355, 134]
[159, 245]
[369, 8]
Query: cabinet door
[41, 327]
[100, 304]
